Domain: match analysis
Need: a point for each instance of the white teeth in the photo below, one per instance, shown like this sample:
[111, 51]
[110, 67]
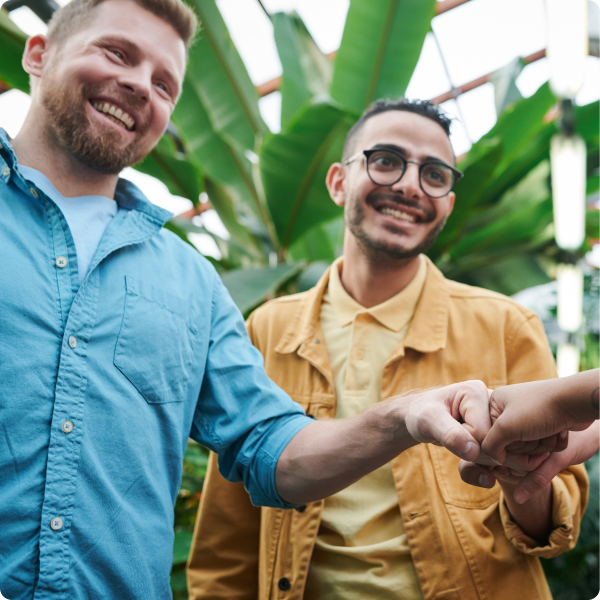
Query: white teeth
[115, 112]
[398, 214]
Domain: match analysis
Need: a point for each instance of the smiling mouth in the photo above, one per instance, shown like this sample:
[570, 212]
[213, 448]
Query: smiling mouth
[396, 213]
[115, 114]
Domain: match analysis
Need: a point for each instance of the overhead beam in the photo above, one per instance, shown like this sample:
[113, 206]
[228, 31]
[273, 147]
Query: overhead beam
[467, 87]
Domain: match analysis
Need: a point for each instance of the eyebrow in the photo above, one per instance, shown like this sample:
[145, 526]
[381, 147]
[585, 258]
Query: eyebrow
[402, 151]
[135, 50]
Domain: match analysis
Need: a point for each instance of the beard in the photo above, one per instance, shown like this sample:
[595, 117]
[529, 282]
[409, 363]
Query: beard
[390, 252]
[102, 151]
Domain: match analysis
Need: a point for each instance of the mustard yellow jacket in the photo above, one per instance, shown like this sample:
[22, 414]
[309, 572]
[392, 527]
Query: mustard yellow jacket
[462, 540]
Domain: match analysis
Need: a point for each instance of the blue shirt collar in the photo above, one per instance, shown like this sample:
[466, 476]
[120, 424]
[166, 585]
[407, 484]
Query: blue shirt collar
[127, 195]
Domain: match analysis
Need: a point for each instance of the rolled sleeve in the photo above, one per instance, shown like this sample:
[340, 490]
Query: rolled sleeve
[569, 499]
[241, 414]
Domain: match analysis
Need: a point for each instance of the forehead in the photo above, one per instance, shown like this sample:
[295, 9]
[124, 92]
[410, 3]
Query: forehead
[128, 20]
[419, 136]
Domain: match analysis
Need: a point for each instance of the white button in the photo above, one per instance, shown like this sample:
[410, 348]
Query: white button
[61, 262]
[56, 523]
[33, 192]
[6, 172]
[67, 426]
[73, 341]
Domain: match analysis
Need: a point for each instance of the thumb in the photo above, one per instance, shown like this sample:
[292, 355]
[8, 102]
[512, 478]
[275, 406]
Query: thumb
[537, 480]
[452, 435]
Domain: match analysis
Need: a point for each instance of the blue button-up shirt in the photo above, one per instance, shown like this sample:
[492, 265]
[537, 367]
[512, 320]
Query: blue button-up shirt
[100, 387]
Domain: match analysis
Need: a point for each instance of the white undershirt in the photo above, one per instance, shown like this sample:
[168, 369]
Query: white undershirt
[87, 217]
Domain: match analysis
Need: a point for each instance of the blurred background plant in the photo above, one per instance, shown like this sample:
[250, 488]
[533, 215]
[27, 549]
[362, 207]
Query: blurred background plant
[281, 230]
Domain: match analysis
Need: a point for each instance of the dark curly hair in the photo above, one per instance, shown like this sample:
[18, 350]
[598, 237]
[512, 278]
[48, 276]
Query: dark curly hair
[425, 108]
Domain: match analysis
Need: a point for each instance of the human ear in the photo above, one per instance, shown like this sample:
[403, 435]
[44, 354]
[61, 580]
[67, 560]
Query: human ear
[34, 57]
[336, 183]
[451, 198]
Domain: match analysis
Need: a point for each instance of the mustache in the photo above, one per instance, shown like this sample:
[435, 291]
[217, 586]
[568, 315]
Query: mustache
[129, 100]
[428, 213]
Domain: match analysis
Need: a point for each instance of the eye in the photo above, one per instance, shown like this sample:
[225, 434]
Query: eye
[384, 161]
[118, 54]
[162, 86]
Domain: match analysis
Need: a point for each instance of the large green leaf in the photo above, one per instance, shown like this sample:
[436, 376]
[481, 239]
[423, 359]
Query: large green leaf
[294, 164]
[218, 75]
[380, 48]
[250, 287]
[181, 546]
[12, 44]
[221, 161]
[181, 177]
[306, 70]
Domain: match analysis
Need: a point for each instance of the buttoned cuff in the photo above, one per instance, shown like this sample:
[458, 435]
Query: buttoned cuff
[562, 537]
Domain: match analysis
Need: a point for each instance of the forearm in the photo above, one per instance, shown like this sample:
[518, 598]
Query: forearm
[327, 456]
[534, 517]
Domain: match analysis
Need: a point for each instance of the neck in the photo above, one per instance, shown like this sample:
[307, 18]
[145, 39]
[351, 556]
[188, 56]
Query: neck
[37, 147]
[372, 282]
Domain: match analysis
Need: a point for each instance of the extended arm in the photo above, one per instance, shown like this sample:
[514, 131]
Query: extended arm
[327, 456]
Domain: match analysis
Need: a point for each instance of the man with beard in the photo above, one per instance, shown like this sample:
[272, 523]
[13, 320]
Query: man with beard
[118, 341]
[383, 320]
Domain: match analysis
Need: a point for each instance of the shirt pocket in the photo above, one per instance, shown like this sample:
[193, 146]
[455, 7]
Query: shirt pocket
[153, 347]
[454, 490]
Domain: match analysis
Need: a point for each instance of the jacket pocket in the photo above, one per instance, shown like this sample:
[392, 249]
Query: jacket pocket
[153, 348]
[454, 490]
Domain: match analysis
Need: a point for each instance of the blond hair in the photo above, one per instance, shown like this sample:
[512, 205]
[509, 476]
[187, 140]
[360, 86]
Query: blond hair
[76, 13]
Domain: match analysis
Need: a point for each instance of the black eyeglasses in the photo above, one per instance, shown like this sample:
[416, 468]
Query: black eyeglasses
[386, 167]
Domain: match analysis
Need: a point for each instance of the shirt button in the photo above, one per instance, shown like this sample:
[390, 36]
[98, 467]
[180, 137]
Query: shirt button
[284, 584]
[61, 262]
[73, 341]
[33, 192]
[6, 171]
[56, 523]
[360, 354]
[67, 426]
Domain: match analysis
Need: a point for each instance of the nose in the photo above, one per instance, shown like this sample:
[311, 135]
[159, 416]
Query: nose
[409, 185]
[137, 81]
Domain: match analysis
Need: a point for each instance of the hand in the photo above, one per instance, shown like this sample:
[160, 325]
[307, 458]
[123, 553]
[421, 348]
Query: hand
[456, 417]
[532, 411]
[582, 446]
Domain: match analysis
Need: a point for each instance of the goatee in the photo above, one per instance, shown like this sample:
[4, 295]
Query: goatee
[103, 152]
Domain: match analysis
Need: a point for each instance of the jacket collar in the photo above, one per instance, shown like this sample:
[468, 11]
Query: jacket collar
[428, 331]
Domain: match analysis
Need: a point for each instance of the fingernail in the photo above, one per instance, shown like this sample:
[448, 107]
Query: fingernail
[563, 434]
[469, 451]
[522, 496]
[483, 480]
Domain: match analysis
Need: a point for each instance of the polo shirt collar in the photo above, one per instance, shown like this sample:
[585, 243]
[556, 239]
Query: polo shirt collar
[394, 314]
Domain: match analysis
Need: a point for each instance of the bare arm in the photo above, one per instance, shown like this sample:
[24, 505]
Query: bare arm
[327, 456]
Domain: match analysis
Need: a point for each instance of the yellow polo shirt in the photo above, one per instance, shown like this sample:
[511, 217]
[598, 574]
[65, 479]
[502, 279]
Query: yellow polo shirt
[361, 551]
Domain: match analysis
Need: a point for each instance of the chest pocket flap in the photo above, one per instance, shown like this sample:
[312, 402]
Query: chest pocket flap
[154, 347]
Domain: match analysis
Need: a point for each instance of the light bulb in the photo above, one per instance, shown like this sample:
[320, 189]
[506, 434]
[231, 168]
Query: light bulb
[567, 360]
[568, 173]
[567, 45]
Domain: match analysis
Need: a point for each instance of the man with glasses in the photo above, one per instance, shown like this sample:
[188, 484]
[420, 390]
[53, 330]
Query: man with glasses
[383, 321]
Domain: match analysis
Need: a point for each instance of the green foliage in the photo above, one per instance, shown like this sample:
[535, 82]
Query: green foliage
[12, 43]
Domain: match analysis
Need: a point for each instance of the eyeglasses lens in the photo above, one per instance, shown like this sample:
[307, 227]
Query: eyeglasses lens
[386, 168]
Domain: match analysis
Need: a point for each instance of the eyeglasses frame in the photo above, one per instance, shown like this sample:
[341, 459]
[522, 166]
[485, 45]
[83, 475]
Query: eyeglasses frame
[458, 175]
